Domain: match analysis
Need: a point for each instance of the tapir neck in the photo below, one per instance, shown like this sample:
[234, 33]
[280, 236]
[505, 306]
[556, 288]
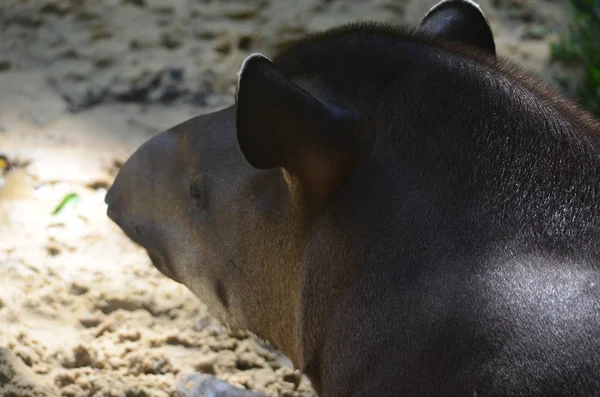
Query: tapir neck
[464, 155]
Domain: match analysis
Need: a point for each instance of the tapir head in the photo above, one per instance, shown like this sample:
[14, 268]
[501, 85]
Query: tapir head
[226, 203]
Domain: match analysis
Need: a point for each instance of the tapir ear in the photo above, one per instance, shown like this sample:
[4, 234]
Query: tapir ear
[462, 21]
[279, 124]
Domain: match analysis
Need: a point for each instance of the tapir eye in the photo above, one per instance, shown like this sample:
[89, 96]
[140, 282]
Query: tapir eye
[197, 188]
[195, 191]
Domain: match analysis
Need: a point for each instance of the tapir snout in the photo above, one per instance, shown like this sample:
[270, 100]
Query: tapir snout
[133, 196]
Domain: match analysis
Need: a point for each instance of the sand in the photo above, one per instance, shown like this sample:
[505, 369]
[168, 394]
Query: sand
[83, 83]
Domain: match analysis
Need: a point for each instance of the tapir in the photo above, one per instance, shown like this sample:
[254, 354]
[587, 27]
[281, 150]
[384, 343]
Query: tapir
[400, 211]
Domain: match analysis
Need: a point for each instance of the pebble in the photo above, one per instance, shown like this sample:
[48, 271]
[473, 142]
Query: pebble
[534, 32]
[206, 364]
[170, 40]
[5, 65]
[138, 3]
[200, 385]
[55, 7]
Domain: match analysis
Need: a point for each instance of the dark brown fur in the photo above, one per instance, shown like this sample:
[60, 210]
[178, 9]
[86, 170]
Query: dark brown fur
[425, 219]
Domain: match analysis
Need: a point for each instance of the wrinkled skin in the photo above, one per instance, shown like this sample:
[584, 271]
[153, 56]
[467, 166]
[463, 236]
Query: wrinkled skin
[396, 212]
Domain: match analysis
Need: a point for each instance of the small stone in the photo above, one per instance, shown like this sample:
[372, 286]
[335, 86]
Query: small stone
[224, 344]
[176, 73]
[64, 379]
[250, 360]
[170, 92]
[87, 15]
[140, 363]
[129, 335]
[204, 34]
[42, 368]
[77, 288]
[139, 44]
[223, 46]
[245, 43]
[535, 32]
[5, 65]
[117, 362]
[79, 101]
[170, 41]
[53, 250]
[195, 385]
[214, 100]
[81, 357]
[293, 377]
[90, 321]
[55, 7]
[27, 20]
[226, 359]
[68, 53]
[262, 378]
[199, 99]
[100, 33]
[104, 61]
[165, 9]
[138, 3]
[207, 363]
[242, 13]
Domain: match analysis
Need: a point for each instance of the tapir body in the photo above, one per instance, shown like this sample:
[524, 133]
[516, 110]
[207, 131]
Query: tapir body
[400, 212]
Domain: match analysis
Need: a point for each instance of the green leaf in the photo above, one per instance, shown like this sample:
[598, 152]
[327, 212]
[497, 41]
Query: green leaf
[580, 47]
[70, 200]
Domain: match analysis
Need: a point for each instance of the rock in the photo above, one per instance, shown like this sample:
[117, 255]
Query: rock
[223, 46]
[89, 98]
[141, 86]
[170, 40]
[200, 385]
[141, 43]
[250, 360]
[5, 65]
[148, 363]
[91, 320]
[77, 288]
[16, 379]
[68, 53]
[87, 15]
[55, 7]
[138, 3]
[245, 43]
[534, 32]
[291, 376]
[261, 378]
[206, 364]
[27, 20]
[242, 13]
[100, 33]
[199, 98]
[166, 93]
[226, 360]
[164, 7]
[176, 73]
[223, 344]
[79, 357]
[104, 61]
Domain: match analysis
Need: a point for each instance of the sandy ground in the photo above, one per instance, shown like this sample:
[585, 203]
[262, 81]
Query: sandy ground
[82, 84]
